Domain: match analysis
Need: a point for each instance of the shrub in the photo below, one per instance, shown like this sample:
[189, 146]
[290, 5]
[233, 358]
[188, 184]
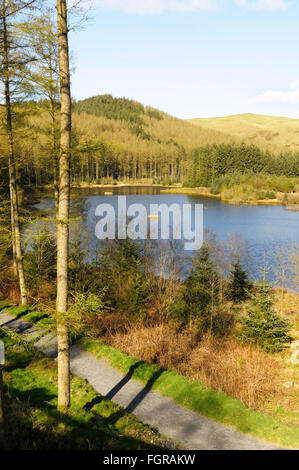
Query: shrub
[238, 284]
[40, 261]
[122, 276]
[85, 309]
[198, 305]
[263, 325]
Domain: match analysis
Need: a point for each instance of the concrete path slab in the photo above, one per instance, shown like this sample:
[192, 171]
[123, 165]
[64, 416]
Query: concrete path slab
[189, 429]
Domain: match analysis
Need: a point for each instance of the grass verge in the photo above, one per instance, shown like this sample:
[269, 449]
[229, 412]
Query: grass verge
[33, 422]
[196, 397]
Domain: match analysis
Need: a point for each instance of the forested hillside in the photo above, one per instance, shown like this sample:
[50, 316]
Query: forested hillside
[114, 139]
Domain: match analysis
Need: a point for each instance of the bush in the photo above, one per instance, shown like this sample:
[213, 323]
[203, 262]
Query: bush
[40, 261]
[122, 276]
[198, 305]
[262, 325]
[238, 284]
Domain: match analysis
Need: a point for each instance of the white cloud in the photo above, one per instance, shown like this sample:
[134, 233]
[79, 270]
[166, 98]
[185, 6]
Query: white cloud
[159, 6]
[278, 96]
[269, 5]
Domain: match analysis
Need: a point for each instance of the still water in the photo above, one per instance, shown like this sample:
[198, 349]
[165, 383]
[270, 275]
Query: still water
[265, 229]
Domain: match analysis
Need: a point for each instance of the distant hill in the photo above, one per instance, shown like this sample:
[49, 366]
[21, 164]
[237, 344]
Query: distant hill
[143, 122]
[267, 132]
[118, 139]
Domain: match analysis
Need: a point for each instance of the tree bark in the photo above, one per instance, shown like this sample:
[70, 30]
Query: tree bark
[63, 210]
[14, 256]
[15, 224]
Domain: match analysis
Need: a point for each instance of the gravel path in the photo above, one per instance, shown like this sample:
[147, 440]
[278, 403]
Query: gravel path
[189, 429]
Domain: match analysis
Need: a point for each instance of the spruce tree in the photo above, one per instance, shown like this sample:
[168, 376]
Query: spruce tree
[200, 295]
[238, 284]
[263, 325]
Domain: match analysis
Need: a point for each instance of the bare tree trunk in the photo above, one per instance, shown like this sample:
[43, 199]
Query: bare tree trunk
[63, 210]
[16, 235]
[55, 157]
[14, 255]
[54, 143]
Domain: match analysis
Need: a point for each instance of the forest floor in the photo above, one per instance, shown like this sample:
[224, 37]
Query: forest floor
[154, 401]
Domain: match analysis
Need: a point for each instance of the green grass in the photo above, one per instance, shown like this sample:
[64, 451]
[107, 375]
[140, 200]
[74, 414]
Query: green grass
[4, 304]
[33, 422]
[28, 313]
[17, 311]
[196, 397]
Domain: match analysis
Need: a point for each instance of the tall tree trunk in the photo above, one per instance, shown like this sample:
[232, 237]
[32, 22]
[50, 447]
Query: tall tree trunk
[54, 140]
[15, 225]
[14, 255]
[63, 210]
[55, 157]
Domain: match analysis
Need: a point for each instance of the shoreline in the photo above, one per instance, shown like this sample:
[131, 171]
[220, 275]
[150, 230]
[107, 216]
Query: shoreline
[198, 191]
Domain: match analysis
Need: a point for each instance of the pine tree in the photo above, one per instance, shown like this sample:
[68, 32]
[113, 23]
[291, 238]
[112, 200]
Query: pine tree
[263, 325]
[238, 284]
[14, 60]
[43, 79]
[200, 294]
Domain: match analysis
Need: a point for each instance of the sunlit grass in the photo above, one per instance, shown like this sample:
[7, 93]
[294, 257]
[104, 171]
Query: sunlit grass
[267, 132]
[33, 422]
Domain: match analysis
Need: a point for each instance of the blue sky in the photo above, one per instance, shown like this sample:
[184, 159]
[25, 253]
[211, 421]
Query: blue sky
[192, 58]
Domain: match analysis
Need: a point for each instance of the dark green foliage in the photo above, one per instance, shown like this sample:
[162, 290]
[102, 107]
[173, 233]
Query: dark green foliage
[80, 271]
[262, 325]
[238, 284]
[199, 301]
[137, 130]
[122, 277]
[40, 261]
[210, 164]
[112, 108]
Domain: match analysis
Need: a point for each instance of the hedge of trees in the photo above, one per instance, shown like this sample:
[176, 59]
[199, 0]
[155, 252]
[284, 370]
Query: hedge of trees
[210, 162]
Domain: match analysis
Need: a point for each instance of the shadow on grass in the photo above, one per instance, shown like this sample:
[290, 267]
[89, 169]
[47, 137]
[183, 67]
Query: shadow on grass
[139, 397]
[32, 422]
[136, 400]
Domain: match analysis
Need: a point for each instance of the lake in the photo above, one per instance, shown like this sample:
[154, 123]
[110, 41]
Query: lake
[265, 228]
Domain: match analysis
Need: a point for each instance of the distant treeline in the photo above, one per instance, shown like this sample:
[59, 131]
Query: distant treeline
[121, 109]
[120, 139]
[210, 162]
